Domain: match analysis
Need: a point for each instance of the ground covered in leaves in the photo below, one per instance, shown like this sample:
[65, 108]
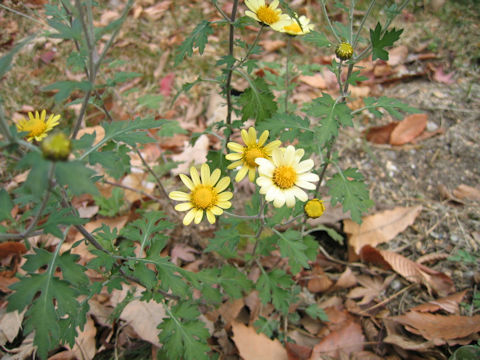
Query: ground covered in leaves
[403, 285]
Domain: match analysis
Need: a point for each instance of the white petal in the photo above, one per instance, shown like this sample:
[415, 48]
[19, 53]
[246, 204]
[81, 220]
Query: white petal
[272, 193]
[289, 155]
[305, 185]
[308, 177]
[304, 166]
[266, 167]
[289, 198]
[300, 194]
[264, 181]
[279, 200]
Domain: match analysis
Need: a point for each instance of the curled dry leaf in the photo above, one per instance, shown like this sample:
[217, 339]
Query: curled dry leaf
[316, 81]
[254, 346]
[408, 129]
[434, 280]
[10, 325]
[345, 341]
[85, 347]
[439, 328]
[11, 248]
[467, 192]
[449, 304]
[298, 352]
[196, 154]
[380, 134]
[346, 280]
[381, 227]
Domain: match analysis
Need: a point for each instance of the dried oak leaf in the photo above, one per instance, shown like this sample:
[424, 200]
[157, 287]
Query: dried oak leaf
[380, 134]
[449, 304]
[345, 341]
[408, 129]
[254, 346]
[439, 328]
[467, 192]
[381, 227]
[434, 280]
[11, 248]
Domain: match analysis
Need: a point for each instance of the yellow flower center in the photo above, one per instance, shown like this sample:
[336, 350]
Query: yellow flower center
[314, 208]
[267, 15]
[251, 153]
[36, 127]
[284, 177]
[203, 197]
[293, 28]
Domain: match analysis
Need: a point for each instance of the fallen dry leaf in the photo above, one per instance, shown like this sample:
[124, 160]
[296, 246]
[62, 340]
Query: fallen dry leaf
[370, 289]
[85, 347]
[439, 328]
[449, 304]
[467, 192]
[298, 352]
[156, 11]
[319, 283]
[380, 134]
[166, 84]
[434, 280]
[10, 325]
[183, 252]
[440, 76]
[272, 45]
[408, 129]
[346, 280]
[8, 248]
[397, 55]
[196, 154]
[316, 81]
[142, 316]
[345, 341]
[254, 346]
[381, 227]
[396, 337]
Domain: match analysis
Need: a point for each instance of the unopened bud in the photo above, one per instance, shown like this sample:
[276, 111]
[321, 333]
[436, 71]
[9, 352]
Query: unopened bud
[314, 208]
[56, 147]
[344, 51]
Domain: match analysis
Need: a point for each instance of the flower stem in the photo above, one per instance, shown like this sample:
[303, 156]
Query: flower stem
[325, 13]
[287, 65]
[228, 83]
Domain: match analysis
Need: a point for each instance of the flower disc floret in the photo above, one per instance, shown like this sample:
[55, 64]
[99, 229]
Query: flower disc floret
[206, 195]
[344, 51]
[283, 178]
[314, 208]
[266, 14]
[244, 156]
[36, 126]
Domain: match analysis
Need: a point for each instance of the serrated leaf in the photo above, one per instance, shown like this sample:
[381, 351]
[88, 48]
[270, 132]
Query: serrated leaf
[389, 104]
[184, 336]
[125, 131]
[349, 189]
[6, 205]
[171, 128]
[151, 101]
[6, 60]
[287, 127]
[66, 87]
[115, 162]
[60, 217]
[110, 206]
[332, 114]
[272, 287]
[291, 245]
[234, 282]
[316, 38]
[197, 39]
[257, 101]
[316, 312]
[380, 42]
[225, 243]
[76, 176]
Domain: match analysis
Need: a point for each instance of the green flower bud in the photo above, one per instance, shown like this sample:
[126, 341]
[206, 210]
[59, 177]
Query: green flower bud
[56, 147]
[344, 51]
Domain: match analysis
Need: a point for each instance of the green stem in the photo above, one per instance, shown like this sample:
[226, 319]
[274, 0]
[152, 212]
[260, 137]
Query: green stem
[287, 65]
[370, 7]
[4, 129]
[325, 13]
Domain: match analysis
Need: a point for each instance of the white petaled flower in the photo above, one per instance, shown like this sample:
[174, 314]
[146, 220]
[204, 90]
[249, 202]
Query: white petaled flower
[282, 179]
[266, 14]
[206, 195]
[293, 28]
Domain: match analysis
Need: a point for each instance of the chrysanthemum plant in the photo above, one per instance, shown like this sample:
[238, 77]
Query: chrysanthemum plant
[283, 149]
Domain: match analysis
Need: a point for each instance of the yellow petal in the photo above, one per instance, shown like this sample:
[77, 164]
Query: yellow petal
[210, 217]
[189, 217]
[179, 196]
[186, 180]
[184, 206]
[214, 176]
[205, 173]
[263, 138]
[222, 184]
[198, 216]
[235, 147]
[194, 176]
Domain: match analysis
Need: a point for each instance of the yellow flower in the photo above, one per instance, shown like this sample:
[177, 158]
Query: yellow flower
[292, 28]
[245, 155]
[36, 126]
[314, 208]
[282, 178]
[204, 195]
[266, 14]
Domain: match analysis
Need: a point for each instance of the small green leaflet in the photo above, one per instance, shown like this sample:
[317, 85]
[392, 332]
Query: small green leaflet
[287, 127]
[389, 104]
[257, 101]
[317, 38]
[65, 88]
[316, 313]
[274, 287]
[76, 176]
[348, 188]
[6, 60]
[332, 114]
[6, 205]
[184, 336]
[291, 245]
[197, 39]
[379, 42]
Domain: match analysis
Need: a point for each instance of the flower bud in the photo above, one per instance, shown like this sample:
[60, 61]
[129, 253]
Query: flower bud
[344, 51]
[56, 147]
[314, 208]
